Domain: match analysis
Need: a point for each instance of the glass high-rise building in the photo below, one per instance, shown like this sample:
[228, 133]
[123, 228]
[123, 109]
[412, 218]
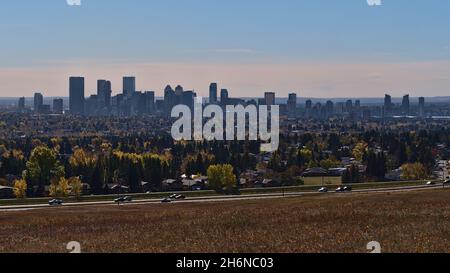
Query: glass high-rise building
[38, 101]
[213, 93]
[129, 86]
[76, 95]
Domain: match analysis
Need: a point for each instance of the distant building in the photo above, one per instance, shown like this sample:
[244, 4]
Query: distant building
[179, 90]
[58, 106]
[269, 97]
[405, 105]
[104, 91]
[38, 102]
[387, 103]
[76, 95]
[224, 96]
[150, 102]
[129, 86]
[421, 107]
[292, 103]
[21, 104]
[213, 93]
[170, 99]
[349, 106]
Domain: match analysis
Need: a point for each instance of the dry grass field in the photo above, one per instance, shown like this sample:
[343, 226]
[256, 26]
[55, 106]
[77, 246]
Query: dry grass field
[401, 222]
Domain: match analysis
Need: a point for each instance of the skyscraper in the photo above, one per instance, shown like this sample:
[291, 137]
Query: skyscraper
[405, 105]
[292, 103]
[213, 93]
[224, 96]
[104, 91]
[21, 104]
[269, 97]
[58, 106]
[129, 86]
[179, 90]
[387, 103]
[150, 102]
[38, 102]
[421, 107]
[76, 95]
[170, 99]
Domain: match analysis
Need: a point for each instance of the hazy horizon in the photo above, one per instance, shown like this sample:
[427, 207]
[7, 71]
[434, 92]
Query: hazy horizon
[317, 48]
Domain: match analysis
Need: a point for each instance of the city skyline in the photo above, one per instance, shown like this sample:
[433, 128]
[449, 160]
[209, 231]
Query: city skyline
[315, 48]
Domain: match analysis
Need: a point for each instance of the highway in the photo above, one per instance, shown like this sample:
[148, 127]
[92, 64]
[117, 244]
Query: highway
[221, 198]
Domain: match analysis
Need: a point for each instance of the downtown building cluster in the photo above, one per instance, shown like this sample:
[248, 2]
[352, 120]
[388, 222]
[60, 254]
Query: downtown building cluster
[131, 102]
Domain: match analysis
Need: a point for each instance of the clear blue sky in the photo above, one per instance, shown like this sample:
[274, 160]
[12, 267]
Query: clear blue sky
[287, 34]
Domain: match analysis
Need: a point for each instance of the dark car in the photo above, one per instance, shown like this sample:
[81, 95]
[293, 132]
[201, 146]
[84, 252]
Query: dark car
[55, 202]
[447, 182]
[123, 199]
[166, 200]
[180, 197]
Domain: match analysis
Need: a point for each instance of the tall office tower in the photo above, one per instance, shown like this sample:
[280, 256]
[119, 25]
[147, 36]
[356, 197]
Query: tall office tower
[349, 106]
[357, 104]
[170, 99]
[21, 104]
[104, 91]
[421, 107]
[91, 106]
[76, 95]
[387, 103]
[179, 90]
[329, 106]
[269, 97]
[405, 105]
[224, 96]
[188, 98]
[308, 108]
[38, 102]
[213, 93]
[129, 86]
[292, 103]
[150, 102]
[58, 106]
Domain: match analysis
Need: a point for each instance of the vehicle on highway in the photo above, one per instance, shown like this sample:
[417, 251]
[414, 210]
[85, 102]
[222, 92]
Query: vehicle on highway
[180, 197]
[173, 196]
[323, 189]
[55, 202]
[123, 199]
[166, 200]
[344, 189]
[430, 183]
[447, 182]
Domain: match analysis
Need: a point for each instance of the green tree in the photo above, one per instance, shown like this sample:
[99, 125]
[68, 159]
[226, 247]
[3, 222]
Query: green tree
[42, 167]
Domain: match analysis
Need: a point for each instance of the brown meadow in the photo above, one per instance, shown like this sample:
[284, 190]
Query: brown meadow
[401, 222]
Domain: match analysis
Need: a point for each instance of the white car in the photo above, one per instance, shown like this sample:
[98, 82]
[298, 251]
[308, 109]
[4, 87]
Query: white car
[323, 189]
[431, 183]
